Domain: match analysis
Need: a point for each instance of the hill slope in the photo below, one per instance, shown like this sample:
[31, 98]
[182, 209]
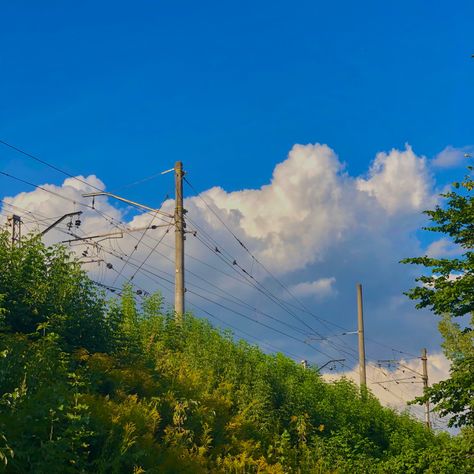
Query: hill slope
[115, 386]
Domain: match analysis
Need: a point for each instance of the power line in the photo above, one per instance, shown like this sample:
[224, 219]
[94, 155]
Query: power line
[39, 160]
[241, 243]
[257, 322]
[264, 290]
[271, 346]
[151, 251]
[134, 248]
[238, 301]
[230, 309]
[259, 287]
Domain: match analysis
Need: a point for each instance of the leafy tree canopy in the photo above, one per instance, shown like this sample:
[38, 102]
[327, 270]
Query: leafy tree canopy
[89, 384]
[448, 290]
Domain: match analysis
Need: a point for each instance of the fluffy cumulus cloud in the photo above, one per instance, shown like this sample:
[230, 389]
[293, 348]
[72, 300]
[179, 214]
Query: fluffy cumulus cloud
[292, 220]
[400, 181]
[312, 205]
[320, 288]
[315, 228]
[54, 201]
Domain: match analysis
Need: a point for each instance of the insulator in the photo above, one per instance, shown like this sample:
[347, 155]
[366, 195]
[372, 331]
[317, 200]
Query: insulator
[77, 223]
[139, 292]
[109, 266]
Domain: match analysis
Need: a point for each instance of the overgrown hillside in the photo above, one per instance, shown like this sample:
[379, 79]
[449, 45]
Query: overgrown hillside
[116, 386]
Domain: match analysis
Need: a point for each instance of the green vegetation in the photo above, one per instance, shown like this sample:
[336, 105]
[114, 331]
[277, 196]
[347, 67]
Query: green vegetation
[112, 386]
[449, 292]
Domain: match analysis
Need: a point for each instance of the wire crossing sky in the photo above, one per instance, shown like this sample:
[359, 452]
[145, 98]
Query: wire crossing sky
[313, 135]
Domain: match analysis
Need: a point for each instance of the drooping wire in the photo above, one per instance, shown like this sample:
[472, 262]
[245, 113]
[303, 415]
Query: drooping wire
[187, 181]
[151, 251]
[241, 243]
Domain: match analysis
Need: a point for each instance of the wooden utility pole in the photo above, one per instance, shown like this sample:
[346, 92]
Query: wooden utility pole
[179, 242]
[360, 331]
[424, 359]
[15, 222]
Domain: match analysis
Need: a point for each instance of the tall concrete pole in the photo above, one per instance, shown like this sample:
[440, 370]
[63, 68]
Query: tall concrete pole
[179, 242]
[424, 359]
[360, 331]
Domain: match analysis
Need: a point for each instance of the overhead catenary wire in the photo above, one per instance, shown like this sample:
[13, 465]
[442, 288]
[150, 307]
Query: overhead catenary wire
[239, 241]
[258, 322]
[146, 271]
[69, 200]
[342, 350]
[151, 251]
[234, 300]
[272, 297]
[59, 195]
[54, 167]
[246, 334]
[257, 285]
[112, 219]
[135, 248]
[245, 247]
[161, 278]
[171, 283]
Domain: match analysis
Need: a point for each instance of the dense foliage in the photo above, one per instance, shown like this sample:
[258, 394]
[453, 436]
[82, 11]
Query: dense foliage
[116, 386]
[448, 290]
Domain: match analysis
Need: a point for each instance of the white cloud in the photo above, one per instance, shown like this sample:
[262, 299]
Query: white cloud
[312, 225]
[320, 288]
[311, 213]
[451, 157]
[312, 207]
[442, 248]
[400, 181]
[47, 202]
[292, 220]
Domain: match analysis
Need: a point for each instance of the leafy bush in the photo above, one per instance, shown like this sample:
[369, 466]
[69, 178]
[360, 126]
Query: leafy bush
[110, 386]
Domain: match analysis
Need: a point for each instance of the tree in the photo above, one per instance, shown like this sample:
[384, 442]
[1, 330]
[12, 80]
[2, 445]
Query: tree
[154, 395]
[45, 287]
[448, 290]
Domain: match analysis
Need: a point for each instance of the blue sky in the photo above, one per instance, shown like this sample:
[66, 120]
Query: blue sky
[229, 87]
[122, 90]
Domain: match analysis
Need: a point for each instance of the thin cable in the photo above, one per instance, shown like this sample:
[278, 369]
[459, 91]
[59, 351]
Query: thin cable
[240, 242]
[151, 251]
[144, 180]
[274, 299]
[39, 160]
[135, 248]
[271, 346]
[258, 322]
